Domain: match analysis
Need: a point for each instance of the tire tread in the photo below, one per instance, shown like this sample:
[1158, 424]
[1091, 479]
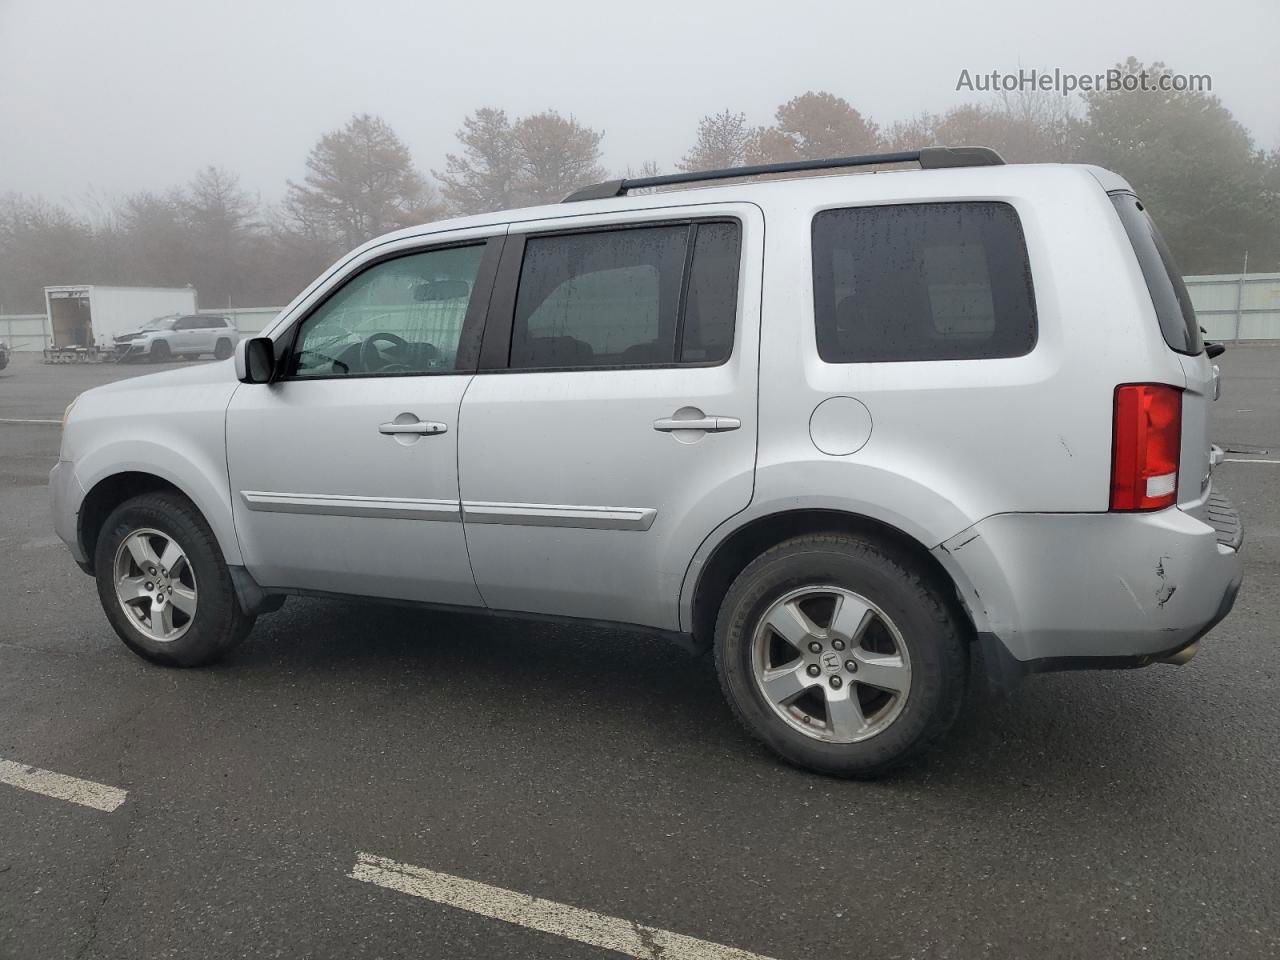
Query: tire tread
[932, 603]
[221, 625]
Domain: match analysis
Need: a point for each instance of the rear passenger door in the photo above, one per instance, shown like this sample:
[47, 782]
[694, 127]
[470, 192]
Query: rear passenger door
[201, 335]
[612, 424]
[187, 335]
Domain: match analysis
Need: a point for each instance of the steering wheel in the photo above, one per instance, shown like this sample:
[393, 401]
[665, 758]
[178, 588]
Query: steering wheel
[371, 358]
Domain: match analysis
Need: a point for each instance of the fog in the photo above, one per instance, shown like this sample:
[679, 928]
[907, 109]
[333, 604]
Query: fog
[102, 99]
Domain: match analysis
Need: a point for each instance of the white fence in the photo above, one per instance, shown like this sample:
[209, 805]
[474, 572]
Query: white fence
[23, 331]
[1230, 307]
[1237, 307]
[247, 319]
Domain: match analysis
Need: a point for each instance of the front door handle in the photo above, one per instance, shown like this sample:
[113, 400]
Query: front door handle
[427, 427]
[709, 424]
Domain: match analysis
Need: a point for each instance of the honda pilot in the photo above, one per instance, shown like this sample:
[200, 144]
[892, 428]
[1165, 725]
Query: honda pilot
[854, 434]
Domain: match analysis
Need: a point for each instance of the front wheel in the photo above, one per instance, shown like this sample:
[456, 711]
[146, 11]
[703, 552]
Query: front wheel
[222, 349]
[841, 654]
[164, 585]
[160, 352]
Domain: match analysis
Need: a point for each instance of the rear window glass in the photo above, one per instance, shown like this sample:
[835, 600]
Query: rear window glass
[599, 299]
[634, 296]
[925, 281]
[1169, 294]
[711, 303]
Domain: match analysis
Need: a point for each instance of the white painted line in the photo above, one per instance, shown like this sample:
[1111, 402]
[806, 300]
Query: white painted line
[572, 923]
[59, 785]
[1235, 460]
[9, 420]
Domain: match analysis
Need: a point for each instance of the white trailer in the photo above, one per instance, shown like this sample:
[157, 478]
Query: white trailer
[82, 320]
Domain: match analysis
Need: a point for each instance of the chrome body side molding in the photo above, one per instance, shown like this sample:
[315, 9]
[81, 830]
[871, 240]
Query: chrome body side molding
[555, 515]
[514, 514]
[332, 505]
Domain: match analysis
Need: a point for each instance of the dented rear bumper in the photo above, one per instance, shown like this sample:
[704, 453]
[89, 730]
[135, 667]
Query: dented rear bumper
[1062, 591]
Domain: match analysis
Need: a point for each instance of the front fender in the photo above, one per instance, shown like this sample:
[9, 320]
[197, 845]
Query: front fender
[198, 473]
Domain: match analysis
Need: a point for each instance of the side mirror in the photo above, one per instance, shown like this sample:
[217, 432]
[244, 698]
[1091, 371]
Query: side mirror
[255, 360]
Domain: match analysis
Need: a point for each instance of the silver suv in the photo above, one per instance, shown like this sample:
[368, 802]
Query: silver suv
[182, 336]
[850, 432]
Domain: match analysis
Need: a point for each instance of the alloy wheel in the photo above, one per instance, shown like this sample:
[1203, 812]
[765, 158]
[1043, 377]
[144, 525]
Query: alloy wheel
[831, 663]
[155, 585]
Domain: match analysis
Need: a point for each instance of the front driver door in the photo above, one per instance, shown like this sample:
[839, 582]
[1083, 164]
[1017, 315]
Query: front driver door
[344, 470]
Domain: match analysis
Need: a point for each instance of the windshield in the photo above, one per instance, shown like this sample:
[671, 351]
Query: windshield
[160, 323]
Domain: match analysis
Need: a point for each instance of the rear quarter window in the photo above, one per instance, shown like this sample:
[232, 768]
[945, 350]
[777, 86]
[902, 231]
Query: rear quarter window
[922, 281]
[1169, 294]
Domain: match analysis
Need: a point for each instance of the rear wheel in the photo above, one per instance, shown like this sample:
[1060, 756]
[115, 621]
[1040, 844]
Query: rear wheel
[222, 349]
[164, 585]
[160, 352]
[840, 655]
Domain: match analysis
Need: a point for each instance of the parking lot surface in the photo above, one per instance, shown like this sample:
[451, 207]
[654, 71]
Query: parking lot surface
[304, 798]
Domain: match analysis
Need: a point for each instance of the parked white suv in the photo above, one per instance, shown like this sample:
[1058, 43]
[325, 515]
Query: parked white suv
[847, 431]
[182, 336]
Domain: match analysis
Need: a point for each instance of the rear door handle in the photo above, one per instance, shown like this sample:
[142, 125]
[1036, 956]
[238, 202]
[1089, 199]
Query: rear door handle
[428, 427]
[709, 424]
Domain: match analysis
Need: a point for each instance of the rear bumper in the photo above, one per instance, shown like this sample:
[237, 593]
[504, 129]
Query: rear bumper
[1063, 591]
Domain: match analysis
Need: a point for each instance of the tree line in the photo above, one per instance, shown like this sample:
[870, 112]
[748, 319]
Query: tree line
[1214, 192]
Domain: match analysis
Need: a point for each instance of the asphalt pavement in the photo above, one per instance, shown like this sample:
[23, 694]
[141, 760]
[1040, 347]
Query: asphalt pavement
[1104, 814]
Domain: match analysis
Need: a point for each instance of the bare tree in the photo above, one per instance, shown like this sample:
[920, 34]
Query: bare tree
[722, 141]
[360, 182]
[648, 168]
[40, 244]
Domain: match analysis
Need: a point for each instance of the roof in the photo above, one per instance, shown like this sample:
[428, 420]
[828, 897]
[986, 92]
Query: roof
[732, 188]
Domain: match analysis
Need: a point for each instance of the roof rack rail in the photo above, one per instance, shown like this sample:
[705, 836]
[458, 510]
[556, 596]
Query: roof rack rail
[929, 158]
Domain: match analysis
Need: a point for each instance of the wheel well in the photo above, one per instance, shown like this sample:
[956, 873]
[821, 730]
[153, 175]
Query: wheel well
[108, 494]
[731, 557]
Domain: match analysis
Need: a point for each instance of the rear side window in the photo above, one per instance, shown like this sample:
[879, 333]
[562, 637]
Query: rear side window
[629, 297]
[711, 302]
[923, 281]
[1169, 294]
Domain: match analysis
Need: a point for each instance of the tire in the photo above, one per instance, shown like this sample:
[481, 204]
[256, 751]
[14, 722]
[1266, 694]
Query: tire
[160, 352]
[912, 638]
[216, 623]
[222, 349]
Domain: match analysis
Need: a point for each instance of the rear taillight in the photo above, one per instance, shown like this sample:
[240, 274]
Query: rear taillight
[1146, 439]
